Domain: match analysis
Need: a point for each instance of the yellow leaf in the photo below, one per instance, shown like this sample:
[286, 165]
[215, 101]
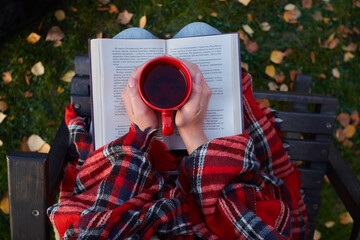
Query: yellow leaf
[326, 20]
[124, 17]
[45, 148]
[214, 14]
[329, 224]
[250, 17]
[7, 78]
[142, 22]
[355, 117]
[270, 71]
[38, 69]
[244, 2]
[317, 235]
[345, 218]
[245, 66]
[59, 15]
[276, 56]
[60, 89]
[351, 47]
[284, 87]
[348, 56]
[68, 76]
[113, 9]
[4, 204]
[35, 142]
[2, 117]
[349, 131]
[1, 143]
[33, 38]
[242, 35]
[248, 29]
[336, 72]
[54, 34]
[265, 26]
[3, 106]
[57, 43]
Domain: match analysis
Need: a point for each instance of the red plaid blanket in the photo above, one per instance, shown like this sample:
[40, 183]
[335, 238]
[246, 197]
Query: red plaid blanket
[238, 187]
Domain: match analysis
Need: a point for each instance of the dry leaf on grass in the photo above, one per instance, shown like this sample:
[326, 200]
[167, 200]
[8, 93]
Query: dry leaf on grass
[33, 38]
[244, 2]
[329, 224]
[245, 66]
[317, 16]
[276, 56]
[24, 147]
[4, 204]
[335, 72]
[99, 35]
[317, 235]
[348, 56]
[313, 57]
[3, 106]
[248, 29]
[280, 78]
[293, 73]
[340, 135]
[142, 22]
[60, 90]
[1, 143]
[345, 218]
[35, 142]
[38, 69]
[68, 76]
[59, 15]
[284, 87]
[349, 131]
[355, 117]
[2, 117]
[348, 143]
[55, 34]
[265, 26]
[350, 48]
[344, 119]
[28, 94]
[291, 14]
[306, 3]
[214, 14]
[7, 78]
[273, 86]
[270, 71]
[57, 43]
[251, 46]
[124, 17]
[45, 148]
[113, 9]
[289, 7]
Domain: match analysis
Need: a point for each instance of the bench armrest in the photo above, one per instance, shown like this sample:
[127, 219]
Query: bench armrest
[347, 186]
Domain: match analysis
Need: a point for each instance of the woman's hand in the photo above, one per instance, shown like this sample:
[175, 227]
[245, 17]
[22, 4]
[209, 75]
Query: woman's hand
[190, 117]
[138, 112]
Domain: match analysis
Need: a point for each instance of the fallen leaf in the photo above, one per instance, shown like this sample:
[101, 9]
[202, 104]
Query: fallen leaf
[265, 26]
[35, 142]
[326, 20]
[54, 34]
[348, 56]
[306, 3]
[68, 76]
[142, 22]
[33, 38]
[4, 204]
[20, 60]
[289, 7]
[343, 31]
[7, 78]
[340, 135]
[159, 4]
[291, 16]
[270, 71]
[329, 224]
[103, 9]
[349, 131]
[104, 2]
[60, 90]
[356, 30]
[214, 14]
[3, 106]
[344, 119]
[200, 17]
[280, 78]
[38, 69]
[276, 56]
[45, 148]
[113, 9]
[287, 52]
[345, 218]
[99, 35]
[312, 56]
[326, 179]
[1, 143]
[321, 75]
[355, 117]
[242, 35]
[28, 94]
[248, 29]
[59, 15]
[57, 43]
[250, 17]
[317, 16]
[73, 9]
[168, 35]
[317, 235]
[351, 47]
[244, 2]
[273, 86]
[27, 79]
[328, 6]
[335, 72]
[2, 117]
[264, 102]
[348, 143]
[124, 17]
[24, 147]
[251, 46]
[293, 73]
[245, 66]
[51, 123]
[284, 87]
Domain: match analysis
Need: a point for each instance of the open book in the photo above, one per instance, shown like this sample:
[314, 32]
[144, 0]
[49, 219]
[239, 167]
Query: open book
[113, 60]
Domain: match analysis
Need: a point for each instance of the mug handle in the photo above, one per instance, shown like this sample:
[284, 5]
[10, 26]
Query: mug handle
[167, 122]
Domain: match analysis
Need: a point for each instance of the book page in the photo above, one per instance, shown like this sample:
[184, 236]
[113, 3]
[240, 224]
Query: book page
[112, 62]
[218, 58]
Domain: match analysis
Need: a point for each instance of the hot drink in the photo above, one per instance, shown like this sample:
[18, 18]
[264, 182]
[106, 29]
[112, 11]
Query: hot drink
[165, 86]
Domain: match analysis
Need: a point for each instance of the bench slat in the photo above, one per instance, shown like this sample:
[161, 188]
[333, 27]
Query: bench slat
[308, 150]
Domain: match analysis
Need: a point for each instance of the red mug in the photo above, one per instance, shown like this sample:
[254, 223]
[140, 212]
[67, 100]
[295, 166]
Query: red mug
[165, 85]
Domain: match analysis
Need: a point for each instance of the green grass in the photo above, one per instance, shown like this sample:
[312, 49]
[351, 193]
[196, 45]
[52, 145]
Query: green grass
[35, 115]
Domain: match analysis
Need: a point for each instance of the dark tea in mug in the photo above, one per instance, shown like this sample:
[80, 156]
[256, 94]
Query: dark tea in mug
[165, 86]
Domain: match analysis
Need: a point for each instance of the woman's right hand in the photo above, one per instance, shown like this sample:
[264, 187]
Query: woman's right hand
[190, 117]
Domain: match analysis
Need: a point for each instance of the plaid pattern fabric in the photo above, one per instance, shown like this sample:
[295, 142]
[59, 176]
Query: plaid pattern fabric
[237, 187]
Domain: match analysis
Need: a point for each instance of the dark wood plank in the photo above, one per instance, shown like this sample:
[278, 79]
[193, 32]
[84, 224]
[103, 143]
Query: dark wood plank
[82, 65]
[28, 188]
[311, 179]
[80, 85]
[307, 122]
[308, 150]
[82, 105]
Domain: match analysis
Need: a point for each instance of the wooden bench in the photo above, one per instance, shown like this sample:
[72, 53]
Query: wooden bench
[34, 178]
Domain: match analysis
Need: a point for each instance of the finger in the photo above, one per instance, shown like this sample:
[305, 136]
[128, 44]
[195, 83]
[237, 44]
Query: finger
[196, 94]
